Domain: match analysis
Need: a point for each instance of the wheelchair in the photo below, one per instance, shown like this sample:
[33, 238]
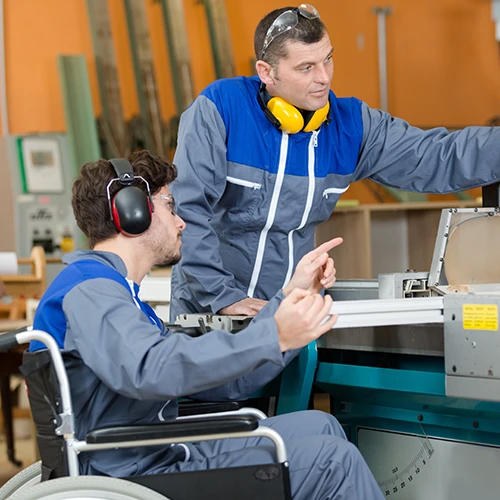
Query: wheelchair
[57, 475]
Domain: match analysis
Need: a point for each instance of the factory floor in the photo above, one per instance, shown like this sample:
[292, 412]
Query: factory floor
[25, 452]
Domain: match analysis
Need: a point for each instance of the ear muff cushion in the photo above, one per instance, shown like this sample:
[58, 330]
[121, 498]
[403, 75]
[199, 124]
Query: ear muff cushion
[289, 116]
[318, 118]
[131, 211]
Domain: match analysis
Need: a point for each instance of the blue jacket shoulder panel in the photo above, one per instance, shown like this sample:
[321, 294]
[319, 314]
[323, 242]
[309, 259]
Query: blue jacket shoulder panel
[254, 141]
[342, 137]
[245, 123]
[49, 315]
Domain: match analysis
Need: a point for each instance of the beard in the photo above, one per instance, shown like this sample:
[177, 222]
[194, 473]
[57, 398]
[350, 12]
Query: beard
[169, 253]
[164, 248]
[169, 260]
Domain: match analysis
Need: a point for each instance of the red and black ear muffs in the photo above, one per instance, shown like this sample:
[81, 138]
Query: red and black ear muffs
[130, 207]
[287, 117]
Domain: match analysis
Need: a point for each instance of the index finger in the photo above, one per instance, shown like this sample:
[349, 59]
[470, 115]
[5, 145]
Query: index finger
[327, 246]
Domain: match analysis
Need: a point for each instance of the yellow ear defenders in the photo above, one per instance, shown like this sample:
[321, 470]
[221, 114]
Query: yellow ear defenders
[287, 117]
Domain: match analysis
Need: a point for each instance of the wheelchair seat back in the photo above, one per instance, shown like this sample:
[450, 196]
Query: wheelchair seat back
[45, 404]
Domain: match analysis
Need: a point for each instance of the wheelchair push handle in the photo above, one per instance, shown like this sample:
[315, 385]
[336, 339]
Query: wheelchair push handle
[9, 340]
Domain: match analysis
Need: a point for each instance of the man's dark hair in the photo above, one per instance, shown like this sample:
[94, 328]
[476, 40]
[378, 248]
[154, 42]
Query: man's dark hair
[306, 31]
[90, 202]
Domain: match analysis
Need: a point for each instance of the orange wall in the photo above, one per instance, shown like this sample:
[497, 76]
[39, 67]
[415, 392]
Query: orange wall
[62, 27]
[35, 33]
[442, 57]
[443, 61]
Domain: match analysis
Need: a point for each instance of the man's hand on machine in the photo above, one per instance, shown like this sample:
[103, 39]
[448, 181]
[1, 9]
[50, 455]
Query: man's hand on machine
[301, 318]
[315, 270]
[245, 307]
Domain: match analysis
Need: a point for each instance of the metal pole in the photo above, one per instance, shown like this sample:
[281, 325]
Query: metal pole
[178, 51]
[142, 56]
[112, 124]
[495, 15]
[220, 39]
[382, 13]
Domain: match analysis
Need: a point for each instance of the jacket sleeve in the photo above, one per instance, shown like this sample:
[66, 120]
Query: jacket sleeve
[432, 161]
[130, 355]
[243, 387]
[202, 169]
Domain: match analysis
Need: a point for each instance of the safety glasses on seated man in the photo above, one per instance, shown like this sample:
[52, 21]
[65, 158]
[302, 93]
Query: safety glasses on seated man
[169, 199]
[287, 21]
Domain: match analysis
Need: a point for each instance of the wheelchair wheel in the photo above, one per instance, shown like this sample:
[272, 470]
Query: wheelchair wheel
[88, 487]
[24, 479]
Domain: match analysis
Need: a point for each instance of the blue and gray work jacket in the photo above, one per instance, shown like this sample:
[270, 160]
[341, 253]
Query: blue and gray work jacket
[125, 367]
[252, 196]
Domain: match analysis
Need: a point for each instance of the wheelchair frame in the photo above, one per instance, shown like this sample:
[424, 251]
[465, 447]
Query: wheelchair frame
[241, 423]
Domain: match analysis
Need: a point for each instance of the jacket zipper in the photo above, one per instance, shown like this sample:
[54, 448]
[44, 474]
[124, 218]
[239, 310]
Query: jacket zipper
[313, 144]
[328, 191]
[242, 182]
[271, 215]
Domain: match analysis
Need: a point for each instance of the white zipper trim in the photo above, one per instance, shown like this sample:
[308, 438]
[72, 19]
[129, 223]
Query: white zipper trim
[328, 191]
[160, 413]
[187, 450]
[271, 215]
[313, 143]
[242, 182]
[134, 297]
[131, 285]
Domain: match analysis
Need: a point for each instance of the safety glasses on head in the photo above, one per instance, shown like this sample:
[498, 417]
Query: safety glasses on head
[169, 199]
[287, 21]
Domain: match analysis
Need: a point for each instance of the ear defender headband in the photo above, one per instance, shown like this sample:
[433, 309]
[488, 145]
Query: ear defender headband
[130, 207]
[287, 117]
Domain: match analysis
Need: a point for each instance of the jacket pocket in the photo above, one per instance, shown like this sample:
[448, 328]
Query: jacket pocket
[329, 191]
[237, 206]
[327, 202]
[243, 182]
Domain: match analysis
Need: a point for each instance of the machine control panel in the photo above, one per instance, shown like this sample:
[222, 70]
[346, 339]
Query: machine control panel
[472, 345]
[51, 227]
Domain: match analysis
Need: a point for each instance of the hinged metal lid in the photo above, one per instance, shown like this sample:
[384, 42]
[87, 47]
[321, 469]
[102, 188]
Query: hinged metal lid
[465, 256]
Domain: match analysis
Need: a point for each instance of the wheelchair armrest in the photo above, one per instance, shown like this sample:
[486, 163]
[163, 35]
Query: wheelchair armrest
[188, 408]
[173, 429]
[8, 340]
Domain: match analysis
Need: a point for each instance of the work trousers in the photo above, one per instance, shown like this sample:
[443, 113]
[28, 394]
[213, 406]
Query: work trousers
[323, 464]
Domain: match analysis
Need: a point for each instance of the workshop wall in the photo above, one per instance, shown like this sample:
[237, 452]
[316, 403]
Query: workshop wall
[35, 33]
[443, 60]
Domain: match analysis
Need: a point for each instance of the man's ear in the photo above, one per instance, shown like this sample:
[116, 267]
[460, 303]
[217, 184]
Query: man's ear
[265, 72]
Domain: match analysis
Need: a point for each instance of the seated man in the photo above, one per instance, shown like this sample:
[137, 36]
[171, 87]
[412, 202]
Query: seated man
[126, 367]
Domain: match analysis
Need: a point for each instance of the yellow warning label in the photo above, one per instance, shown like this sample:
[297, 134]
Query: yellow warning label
[480, 316]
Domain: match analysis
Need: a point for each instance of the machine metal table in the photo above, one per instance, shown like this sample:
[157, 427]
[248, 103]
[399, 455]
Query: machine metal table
[414, 375]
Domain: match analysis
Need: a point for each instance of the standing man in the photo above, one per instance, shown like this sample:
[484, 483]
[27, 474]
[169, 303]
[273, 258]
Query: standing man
[263, 160]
